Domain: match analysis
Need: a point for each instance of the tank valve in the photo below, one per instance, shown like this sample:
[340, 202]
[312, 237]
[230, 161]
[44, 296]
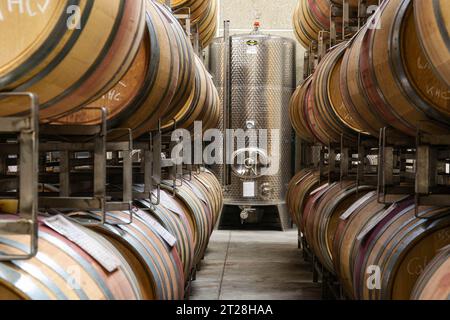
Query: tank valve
[246, 212]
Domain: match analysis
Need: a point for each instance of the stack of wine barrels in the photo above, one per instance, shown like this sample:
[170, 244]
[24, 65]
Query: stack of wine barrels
[313, 16]
[317, 111]
[203, 17]
[376, 250]
[67, 66]
[202, 104]
[131, 261]
[384, 76]
[393, 72]
[140, 66]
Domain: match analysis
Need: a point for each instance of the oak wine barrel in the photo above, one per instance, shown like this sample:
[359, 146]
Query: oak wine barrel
[311, 17]
[322, 222]
[401, 86]
[433, 283]
[432, 20]
[150, 86]
[157, 265]
[297, 108]
[64, 271]
[203, 104]
[171, 214]
[329, 115]
[186, 56]
[345, 235]
[197, 8]
[62, 55]
[402, 246]
[299, 190]
[207, 27]
[352, 90]
[199, 216]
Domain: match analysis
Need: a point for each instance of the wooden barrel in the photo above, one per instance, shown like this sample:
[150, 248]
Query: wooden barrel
[199, 216]
[322, 222]
[211, 188]
[203, 104]
[401, 245]
[157, 265]
[207, 27]
[210, 115]
[386, 238]
[198, 8]
[149, 88]
[172, 215]
[345, 236]
[198, 200]
[311, 205]
[328, 114]
[433, 283]
[311, 17]
[299, 190]
[186, 78]
[398, 81]
[352, 90]
[297, 108]
[64, 271]
[432, 23]
[67, 66]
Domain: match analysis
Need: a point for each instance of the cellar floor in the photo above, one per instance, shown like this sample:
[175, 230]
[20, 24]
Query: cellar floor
[254, 265]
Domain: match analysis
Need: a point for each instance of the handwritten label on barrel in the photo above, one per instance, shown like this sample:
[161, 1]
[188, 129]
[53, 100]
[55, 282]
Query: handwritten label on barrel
[157, 227]
[356, 205]
[74, 233]
[30, 8]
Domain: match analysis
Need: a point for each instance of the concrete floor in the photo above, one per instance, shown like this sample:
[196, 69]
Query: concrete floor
[254, 265]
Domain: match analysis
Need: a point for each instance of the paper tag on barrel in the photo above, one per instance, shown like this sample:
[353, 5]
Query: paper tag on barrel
[306, 175]
[356, 205]
[375, 221]
[197, 191]
[157, 227]
[319, 193]
[202, 182]
[75, 234]
[169, 203]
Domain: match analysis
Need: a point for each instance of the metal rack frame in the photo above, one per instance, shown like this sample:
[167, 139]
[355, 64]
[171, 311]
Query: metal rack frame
[351, 22]
[27, 129]
[69, 139]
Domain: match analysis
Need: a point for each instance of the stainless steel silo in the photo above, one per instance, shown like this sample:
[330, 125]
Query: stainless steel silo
[260, 84]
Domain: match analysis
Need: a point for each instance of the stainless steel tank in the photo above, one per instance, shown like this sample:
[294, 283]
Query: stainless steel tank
[261, 83]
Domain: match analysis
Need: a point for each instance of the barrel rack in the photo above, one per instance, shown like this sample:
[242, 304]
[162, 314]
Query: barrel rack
[393, 163]
[48, 168]
[405, 166]
[350, 21]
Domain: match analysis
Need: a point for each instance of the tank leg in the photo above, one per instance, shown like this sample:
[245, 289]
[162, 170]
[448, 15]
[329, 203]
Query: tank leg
[284, 217]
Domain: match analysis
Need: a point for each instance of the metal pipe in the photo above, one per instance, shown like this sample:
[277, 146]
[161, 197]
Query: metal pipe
[226, 98]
